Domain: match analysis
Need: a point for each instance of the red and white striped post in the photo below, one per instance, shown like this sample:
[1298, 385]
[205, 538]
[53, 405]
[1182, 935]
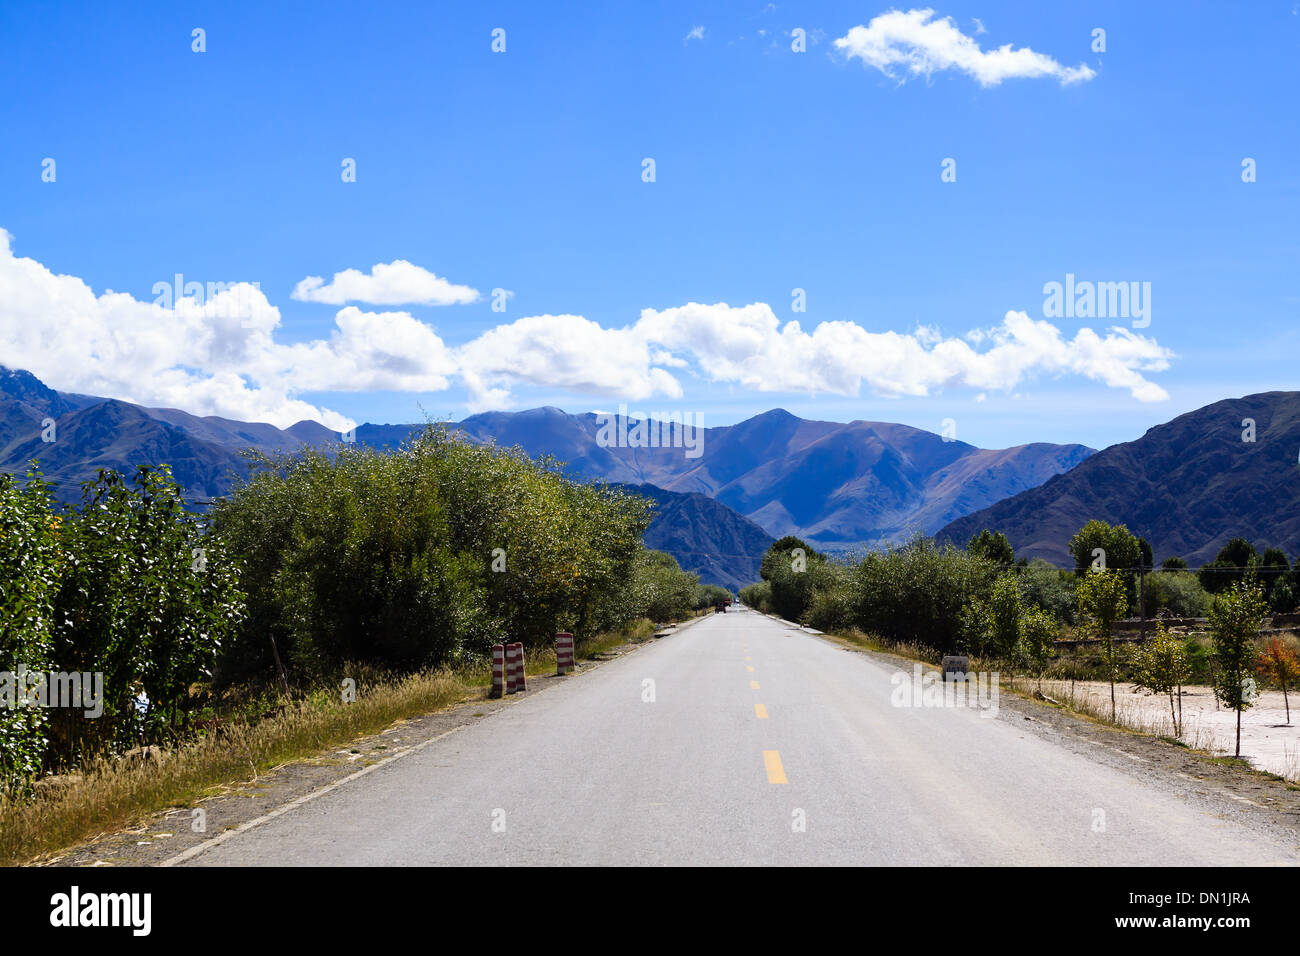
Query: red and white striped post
[563, 653]
[498, 671]
[521, 683]
[512, 682]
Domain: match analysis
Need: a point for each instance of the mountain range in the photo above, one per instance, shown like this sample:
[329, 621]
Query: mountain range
[1188, 486]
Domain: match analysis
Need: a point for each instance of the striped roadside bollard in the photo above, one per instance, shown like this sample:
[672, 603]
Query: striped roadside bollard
[563, 653]
[512, 681]
[498, 671]
[521, 682]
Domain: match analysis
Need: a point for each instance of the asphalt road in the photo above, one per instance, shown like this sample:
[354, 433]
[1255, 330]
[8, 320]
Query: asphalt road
[761, 745]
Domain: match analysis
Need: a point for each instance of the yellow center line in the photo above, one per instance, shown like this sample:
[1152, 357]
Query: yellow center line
[760, 712]
[753, 685]
[775, 772]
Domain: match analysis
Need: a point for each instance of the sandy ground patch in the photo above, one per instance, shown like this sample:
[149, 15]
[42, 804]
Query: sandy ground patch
[1266, 740]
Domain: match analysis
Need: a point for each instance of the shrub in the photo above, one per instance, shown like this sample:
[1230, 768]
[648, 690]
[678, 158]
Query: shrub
[1049, 588]
[758, 596]
[916, 593]
[430, 553]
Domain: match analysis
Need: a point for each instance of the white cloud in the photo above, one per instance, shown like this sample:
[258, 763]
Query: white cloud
[561, 351]
[212, 357]
[915, 42]
[696, 33]
[394, 283]
[222, 357]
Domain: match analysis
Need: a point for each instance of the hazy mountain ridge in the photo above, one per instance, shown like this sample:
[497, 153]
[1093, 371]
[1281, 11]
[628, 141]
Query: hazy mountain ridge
[1188, 486]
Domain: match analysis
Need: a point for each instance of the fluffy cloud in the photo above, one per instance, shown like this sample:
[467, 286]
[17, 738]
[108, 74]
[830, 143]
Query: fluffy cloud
[561, 351]
[748, 346]
[219, 354]
[919, 44]
[394, 283]
[210, 355]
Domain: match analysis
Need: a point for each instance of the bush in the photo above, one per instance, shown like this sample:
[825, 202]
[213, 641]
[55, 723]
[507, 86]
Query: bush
[1049, 588]
[1179, 592]
[832, 604]
[758, 596]
[428, 554]
[664, 592]
[790, 568]
[916, 593]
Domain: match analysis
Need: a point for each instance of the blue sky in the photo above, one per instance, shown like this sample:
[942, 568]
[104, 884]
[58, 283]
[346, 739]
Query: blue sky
[774, 170]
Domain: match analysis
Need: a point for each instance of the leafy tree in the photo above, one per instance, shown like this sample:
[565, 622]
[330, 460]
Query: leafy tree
[665, 591]
[1229, 566]
[1047, 587]
[1281, 599]
[992, 546]
[1278, 662]
[1238, 552]
[1174, 563]
[1161, 666]
[1235, 619]
[1179, 592]
[1102, 601]
[30, 564]
[1004, 620]
[1038, 632]
[431, 552]
[1273, 566]
[147, 597]
[1218, 575]
[1121, 549]
[792, 570]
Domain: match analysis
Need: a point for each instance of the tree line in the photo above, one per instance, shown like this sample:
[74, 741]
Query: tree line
[318, 561]
[981, 601]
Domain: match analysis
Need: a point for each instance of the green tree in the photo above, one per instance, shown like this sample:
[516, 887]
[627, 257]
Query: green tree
[1179, 592]
[1235, 619]
[1038, 633]
[1048, 587]
[1161, 666]
[147, 597]
[1281, 599]
[1174, 563]
[791, 568]
[1103, 599]
[992, 546]
[1119, 549]
[1229, 566]
[30, 564]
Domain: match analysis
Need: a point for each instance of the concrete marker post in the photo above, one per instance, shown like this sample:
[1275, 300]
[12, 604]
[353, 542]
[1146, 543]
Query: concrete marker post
[564, 663]
[498, 671]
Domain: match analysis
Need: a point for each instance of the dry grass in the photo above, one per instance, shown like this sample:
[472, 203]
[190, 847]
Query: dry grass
[113, 794]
